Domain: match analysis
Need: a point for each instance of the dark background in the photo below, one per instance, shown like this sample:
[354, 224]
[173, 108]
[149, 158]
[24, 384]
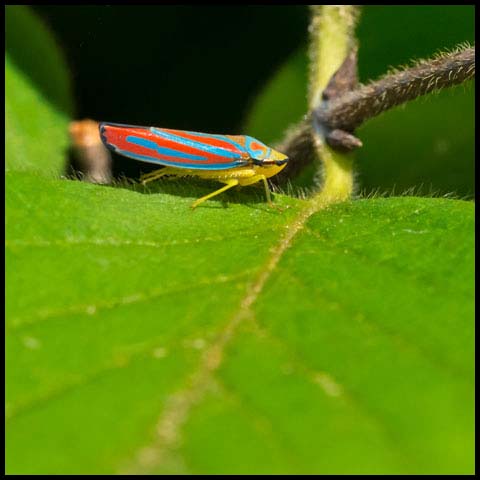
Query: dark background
[184, 67]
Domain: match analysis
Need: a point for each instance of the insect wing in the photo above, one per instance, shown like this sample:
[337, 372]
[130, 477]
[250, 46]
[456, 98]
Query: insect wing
[175, 148]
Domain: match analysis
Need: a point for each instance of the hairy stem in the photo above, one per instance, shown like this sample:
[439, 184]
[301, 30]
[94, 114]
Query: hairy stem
[347, 110]
[332, 31]
[353, 108]
[331, 41]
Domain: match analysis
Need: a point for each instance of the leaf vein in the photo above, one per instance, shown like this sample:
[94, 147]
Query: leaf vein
[179, 405]
[116, 242]
[134, 298]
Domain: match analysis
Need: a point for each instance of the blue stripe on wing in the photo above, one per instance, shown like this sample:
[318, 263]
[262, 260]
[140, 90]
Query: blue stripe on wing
[196, 165]
[169, 152]
[198, 161]
[223, 152]
[193, 166]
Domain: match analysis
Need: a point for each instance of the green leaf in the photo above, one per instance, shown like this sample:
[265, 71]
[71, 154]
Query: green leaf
[145, 337]
[38, 99]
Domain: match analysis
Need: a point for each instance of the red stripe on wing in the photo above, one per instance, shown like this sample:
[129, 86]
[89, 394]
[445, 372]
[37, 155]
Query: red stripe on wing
[228, 143]
[116, 136]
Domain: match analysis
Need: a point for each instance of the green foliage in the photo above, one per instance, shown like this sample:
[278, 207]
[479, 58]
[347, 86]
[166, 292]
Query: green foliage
[145, 337]
[32, 48]
[37, 100]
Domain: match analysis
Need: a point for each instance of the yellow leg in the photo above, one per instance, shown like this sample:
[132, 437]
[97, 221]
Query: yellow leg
[257, 178]
[267, 190]
[229, 184]
[156, 174]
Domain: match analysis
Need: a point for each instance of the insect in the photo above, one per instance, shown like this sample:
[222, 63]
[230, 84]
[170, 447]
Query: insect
[230, 159]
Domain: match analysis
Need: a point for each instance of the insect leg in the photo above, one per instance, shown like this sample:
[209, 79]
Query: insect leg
[156, 174]
[229, 184]
[256, 179]
[267, 190]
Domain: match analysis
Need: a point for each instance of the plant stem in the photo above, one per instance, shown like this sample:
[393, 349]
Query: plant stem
[332, 40]
[349, 108]
[353, 108]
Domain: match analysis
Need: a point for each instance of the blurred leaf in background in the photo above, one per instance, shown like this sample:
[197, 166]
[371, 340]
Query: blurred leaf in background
[131, 345]
[38, 96]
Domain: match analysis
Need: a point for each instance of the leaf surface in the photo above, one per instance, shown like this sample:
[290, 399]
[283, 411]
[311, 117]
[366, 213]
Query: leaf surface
[146, 337]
